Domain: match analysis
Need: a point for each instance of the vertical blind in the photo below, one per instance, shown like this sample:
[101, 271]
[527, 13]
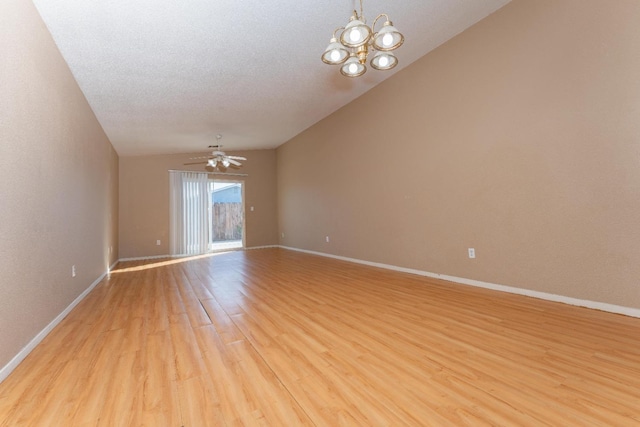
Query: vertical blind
[189, 210]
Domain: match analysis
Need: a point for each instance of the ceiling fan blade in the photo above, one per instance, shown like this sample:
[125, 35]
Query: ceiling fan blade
[233, 162]
[198, 158]
[236, 157]
[196, 163]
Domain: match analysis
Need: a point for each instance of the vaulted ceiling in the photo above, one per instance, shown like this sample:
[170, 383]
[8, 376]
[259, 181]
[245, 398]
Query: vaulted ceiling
[166, 76]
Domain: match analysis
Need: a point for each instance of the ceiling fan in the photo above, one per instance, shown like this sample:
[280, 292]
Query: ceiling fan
[218, 157]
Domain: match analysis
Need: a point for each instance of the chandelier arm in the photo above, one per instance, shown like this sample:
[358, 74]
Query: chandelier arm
[336, 30]
[373, 27]
[361, 13]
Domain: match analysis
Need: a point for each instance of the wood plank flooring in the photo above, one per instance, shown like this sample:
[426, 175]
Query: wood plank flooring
[277, 338]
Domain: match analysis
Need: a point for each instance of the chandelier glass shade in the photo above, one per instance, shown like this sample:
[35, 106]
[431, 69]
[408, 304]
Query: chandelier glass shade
[336, 53]
[384, 61]
[352, 67]
[350, 45]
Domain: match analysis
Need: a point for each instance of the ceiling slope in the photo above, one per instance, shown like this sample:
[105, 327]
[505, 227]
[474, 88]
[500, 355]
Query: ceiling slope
[166, 76]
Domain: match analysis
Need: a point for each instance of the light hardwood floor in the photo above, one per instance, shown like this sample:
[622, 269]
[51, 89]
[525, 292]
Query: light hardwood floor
[277, 338]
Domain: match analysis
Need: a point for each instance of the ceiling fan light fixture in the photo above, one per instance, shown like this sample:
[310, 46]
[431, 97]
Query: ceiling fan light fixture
[218, 157]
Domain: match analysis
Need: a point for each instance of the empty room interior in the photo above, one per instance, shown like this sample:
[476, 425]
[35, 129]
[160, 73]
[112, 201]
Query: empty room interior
[210, 218]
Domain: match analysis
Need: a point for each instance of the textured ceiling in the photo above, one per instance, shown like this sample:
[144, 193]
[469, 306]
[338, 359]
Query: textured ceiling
[165, 76]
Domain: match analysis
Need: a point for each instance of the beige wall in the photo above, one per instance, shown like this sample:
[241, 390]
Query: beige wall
[144, 200]
[58, 182]
[520, 138]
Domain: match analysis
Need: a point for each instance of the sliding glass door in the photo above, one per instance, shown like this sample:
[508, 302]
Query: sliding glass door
[205, 215]
[226, 215]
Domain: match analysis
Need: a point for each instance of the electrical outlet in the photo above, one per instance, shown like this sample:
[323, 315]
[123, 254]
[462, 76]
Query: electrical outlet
[158, 242]
[326, 238]
[73, 271]
[472, 253]
[251, 208]
[283, 235]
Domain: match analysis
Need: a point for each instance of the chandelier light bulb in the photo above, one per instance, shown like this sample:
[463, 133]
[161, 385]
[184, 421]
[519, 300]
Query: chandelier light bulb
[384, 61]
[353, 68]
[387, 40]
[335, 55]
[355, 35]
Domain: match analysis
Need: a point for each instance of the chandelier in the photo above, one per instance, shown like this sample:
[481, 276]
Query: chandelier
[352, 47]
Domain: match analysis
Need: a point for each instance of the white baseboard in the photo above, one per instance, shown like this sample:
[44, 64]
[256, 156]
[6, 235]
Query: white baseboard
[261, 247]
[611, 308]
[142, 258]
[13, 363]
